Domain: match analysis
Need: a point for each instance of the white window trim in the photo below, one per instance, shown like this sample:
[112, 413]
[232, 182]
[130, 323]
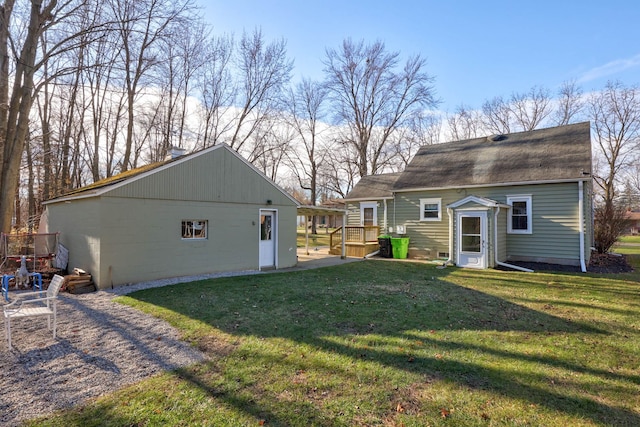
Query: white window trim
[520, 198]
[202, 224]
[431, 201]
[363, 206]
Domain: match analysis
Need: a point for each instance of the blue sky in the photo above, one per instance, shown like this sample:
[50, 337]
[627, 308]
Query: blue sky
[475, 50]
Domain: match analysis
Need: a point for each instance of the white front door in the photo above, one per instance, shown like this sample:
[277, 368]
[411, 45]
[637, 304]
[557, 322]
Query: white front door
[268, 238]
[472, 239]
[368, 213]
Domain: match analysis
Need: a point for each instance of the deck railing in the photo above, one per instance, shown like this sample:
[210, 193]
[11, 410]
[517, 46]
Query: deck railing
[354, 234]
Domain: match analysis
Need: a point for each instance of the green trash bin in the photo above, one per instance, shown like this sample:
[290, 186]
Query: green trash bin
[400, 247]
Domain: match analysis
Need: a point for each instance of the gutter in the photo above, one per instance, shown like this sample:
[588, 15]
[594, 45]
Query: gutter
[495, 243]
[583, 266]
[488, 185]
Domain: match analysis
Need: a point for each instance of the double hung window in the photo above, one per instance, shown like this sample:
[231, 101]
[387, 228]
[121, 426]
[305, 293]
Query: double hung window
[430, 209]
[519, 215]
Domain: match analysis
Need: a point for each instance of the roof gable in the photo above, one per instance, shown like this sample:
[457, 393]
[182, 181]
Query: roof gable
[216, 173]
[545, 155]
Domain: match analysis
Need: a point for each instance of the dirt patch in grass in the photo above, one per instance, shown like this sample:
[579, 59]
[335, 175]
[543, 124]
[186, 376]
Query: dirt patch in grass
[215, 346]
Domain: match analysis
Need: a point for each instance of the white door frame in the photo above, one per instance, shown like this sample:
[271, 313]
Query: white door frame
[472, 259]
[268, 249]
[363, 206]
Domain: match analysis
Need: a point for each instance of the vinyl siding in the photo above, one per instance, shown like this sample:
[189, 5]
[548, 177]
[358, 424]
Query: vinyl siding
[79, 225]
[426, 238]
[588, 220]
[502, 235]
[555, 225]
[141, 240]
[215, 176]
[555, 221]
[353, 213]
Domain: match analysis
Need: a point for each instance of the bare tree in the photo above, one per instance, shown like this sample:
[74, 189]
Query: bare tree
[610, 221]
[569, 104]
[217, 90]
[342, 168]
[465, 123]
[422, 129]
[372, 99]
[530, 109]
[306, 112]
[184, 56]
[615, 117]
[107, 99]
[15, 104]
[633, 182]
[268, 145]
[263, 70]
[142, 25]
[497, 115]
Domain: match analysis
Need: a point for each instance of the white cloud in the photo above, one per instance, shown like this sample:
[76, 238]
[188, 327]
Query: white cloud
[610, 68]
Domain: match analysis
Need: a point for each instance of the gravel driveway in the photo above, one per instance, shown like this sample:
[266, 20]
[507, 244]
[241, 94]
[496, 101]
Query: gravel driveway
[101, 346]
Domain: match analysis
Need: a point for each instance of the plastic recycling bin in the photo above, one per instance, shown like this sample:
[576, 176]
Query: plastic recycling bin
[400, 247]
[385, 246]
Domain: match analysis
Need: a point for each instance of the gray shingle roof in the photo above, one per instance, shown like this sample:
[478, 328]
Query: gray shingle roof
[374, 187]
[553, 154]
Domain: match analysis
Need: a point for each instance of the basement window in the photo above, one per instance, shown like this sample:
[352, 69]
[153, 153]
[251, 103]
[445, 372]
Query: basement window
[194, 228]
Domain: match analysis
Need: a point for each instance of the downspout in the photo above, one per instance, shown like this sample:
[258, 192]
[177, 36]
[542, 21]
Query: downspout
[495, 245]
[384, 220]
[583, 265]
[372, 254]
[394, 211]
[450, 214]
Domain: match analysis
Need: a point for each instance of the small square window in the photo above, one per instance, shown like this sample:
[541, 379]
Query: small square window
[194, 228]
[430, 209]
[519, 215]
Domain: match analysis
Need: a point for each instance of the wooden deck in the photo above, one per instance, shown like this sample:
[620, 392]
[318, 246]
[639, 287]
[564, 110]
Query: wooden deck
[360, 240]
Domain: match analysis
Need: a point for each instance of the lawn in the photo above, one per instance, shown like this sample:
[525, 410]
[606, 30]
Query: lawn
[319, 239]
[630, 239]
[391, 344]
[628, 245]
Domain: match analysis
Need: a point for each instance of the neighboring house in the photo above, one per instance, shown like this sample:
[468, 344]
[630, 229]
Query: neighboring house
[633, 218]
[483, 202]
[206, 212]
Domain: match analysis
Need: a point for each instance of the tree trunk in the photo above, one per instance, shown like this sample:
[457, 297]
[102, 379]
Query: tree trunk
[13, 130]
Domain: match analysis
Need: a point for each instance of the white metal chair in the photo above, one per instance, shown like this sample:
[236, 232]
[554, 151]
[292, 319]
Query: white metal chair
[34, 304]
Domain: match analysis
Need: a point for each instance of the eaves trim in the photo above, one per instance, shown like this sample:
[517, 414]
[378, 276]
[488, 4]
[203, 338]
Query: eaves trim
[505, 184]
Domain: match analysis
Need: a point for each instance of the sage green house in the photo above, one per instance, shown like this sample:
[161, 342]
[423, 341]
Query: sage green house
[485, 202]
[210, 211]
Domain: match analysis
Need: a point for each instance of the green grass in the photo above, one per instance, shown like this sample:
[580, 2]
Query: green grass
[630, 239]
[319, 239]
[627, 245]
[391, 344]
